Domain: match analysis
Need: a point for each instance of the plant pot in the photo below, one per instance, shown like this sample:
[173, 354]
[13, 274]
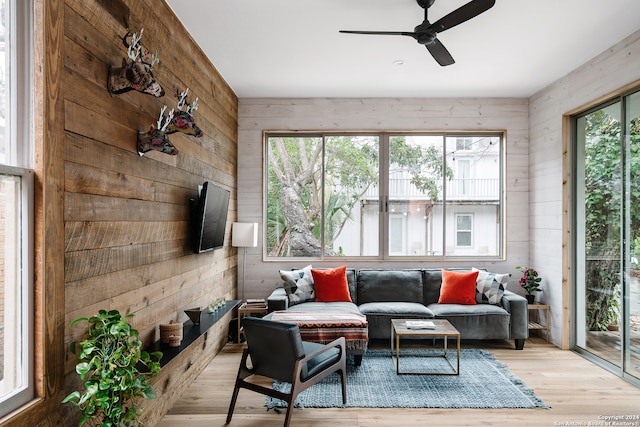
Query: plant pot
[530, 298]
[613, 327]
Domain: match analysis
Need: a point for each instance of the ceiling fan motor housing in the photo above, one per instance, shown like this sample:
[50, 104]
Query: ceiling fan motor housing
[424, 34]
[425, 4]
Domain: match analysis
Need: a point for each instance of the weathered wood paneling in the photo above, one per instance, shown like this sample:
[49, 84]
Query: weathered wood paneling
[116, 225]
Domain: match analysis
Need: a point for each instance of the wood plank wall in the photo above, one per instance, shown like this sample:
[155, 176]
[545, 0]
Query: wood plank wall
[126, 217]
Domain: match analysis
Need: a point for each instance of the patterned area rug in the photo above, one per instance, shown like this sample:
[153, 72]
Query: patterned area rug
[484, 382]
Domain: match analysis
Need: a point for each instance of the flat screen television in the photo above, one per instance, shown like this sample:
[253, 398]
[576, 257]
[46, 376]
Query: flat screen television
[209, 217]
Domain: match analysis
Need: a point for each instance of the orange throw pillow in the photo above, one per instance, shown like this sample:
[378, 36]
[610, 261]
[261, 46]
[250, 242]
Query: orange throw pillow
[458, 288]
[331, 285]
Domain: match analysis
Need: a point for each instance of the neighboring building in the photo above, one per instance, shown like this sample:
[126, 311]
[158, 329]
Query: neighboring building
[464, 220]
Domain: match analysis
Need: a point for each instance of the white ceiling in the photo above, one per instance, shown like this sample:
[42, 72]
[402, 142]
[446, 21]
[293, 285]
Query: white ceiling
[292, 48]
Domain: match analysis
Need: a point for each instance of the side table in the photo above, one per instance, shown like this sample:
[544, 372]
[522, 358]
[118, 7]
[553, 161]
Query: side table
[247, 309]
[536, 325]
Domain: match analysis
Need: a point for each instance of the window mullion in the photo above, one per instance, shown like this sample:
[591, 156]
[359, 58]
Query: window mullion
[384, 197]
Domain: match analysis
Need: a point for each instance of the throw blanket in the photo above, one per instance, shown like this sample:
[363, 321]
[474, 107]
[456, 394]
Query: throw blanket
[324, 327]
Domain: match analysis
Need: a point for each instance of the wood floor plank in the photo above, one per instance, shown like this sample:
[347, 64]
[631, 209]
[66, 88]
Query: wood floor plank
[577, 391]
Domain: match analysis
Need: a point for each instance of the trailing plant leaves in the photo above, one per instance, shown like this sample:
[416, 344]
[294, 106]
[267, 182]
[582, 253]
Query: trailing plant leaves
[73, 396]
[108, 367]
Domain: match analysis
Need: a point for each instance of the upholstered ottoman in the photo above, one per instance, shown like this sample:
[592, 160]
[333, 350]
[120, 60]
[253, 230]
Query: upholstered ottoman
[325, 326]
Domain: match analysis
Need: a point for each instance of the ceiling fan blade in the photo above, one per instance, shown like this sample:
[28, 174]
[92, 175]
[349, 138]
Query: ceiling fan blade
[381, 33]
[462, 14]
[440, 53]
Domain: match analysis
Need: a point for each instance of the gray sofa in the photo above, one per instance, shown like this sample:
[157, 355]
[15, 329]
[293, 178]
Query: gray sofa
[385, 294]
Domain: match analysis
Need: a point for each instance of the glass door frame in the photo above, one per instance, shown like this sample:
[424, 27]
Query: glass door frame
[622, 366]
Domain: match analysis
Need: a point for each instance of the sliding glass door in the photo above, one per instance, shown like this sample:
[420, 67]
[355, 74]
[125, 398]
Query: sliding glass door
[631, 296]
[607, 238]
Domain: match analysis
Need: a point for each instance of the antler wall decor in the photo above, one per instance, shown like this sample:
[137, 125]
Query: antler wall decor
[137, 74]
[157, 138]
[183, 120]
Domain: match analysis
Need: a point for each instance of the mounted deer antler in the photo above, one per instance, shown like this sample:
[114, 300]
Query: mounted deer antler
[137, 74]
[183, 121]
[182, 100]
[157, 137]
[134, 49]
[167, 119]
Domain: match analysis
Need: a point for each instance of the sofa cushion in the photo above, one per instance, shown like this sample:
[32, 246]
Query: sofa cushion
[331, 285]
[379, 315]
[353, 286]
[445, 310]
[458, 288]
[480, 321]
[432, 283]
[389, 286]
[399, 308]
[298, 284]
[312, 306]
[490, 287]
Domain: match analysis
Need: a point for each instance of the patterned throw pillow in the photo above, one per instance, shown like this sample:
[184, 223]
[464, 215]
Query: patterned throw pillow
[298, 284]
[490, 287]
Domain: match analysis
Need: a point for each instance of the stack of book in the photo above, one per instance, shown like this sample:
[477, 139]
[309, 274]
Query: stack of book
[255, 302]
[420, 324]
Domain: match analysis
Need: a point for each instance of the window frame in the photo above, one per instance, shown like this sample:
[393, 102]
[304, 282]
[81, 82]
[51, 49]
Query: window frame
[384, 239]
[19, 157]
[26, 393]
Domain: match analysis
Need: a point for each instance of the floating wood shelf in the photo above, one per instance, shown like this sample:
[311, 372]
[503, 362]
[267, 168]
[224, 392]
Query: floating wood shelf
[191, 332]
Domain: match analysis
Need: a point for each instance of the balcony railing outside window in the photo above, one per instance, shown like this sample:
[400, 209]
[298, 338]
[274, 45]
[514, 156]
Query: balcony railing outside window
[457, 189]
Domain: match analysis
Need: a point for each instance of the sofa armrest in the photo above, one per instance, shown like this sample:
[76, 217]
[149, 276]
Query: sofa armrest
[516, 305]
[278, 300]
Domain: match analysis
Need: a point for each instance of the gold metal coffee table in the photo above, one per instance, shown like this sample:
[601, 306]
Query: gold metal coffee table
[443, 329]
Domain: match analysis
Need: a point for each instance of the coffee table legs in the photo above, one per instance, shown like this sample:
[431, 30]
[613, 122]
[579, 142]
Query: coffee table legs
[396, 353]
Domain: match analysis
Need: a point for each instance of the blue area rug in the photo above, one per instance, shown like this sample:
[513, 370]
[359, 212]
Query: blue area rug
[484, 382]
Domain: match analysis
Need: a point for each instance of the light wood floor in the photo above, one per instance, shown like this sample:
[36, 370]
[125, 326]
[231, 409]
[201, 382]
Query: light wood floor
[578, 392]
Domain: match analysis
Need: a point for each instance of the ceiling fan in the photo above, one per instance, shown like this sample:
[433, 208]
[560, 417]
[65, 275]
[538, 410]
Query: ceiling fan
[426, 33]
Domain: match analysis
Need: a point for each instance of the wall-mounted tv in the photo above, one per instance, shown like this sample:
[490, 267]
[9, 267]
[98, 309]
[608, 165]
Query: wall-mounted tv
[209, 217]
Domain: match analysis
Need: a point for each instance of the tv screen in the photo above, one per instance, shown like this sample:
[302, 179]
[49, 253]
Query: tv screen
[209, 217]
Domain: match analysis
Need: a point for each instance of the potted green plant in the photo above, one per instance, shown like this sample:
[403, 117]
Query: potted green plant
[530, 282]
[114, 370]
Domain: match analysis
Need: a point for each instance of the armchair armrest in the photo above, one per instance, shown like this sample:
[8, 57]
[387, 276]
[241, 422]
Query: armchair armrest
[305, 373]
[278, 300]
[516, 305]
[339, 343]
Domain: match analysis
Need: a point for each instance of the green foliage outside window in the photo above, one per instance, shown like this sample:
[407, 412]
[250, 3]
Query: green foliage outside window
[605, 183]
[301, 170]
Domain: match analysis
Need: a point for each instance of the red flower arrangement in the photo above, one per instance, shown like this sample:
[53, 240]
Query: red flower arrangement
[529, 280]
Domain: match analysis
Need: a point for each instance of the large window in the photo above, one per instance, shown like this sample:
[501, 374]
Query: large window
[384, 195]
[16, 206]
